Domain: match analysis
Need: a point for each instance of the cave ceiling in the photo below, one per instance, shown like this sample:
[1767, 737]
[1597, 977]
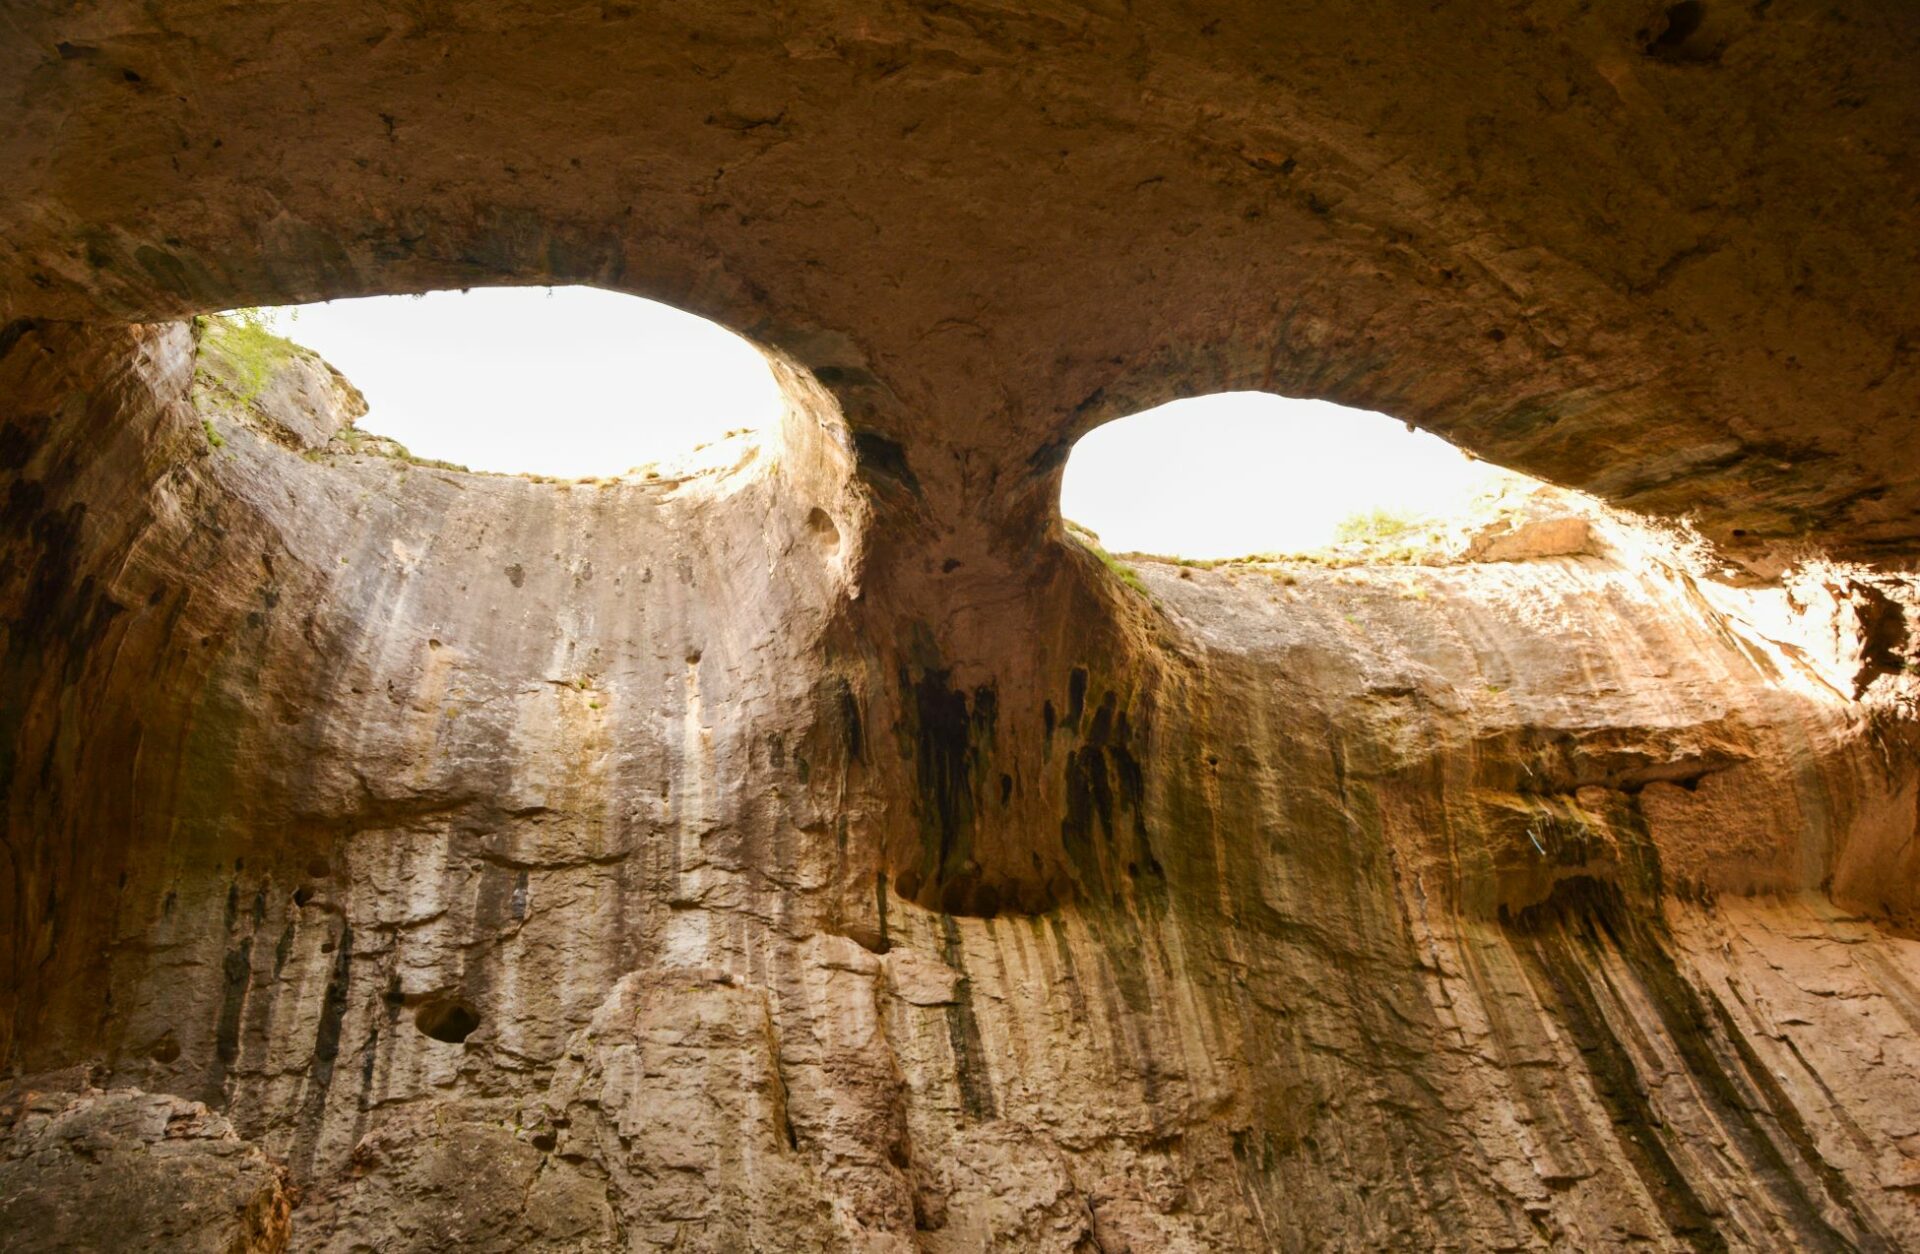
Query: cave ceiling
[1665, 254]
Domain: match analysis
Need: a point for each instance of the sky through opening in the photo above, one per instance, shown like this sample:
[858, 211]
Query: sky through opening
[569, 381]
[575, 382]
[1239, 473]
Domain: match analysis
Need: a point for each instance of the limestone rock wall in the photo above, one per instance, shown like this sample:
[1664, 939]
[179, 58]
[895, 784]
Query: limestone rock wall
[709, 865]
[86, 1169]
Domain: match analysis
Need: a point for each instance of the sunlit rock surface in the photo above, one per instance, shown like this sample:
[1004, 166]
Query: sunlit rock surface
[720, 862]
[824, 850]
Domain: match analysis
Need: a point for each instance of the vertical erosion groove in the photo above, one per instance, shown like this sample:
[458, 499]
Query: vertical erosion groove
[1571, 943]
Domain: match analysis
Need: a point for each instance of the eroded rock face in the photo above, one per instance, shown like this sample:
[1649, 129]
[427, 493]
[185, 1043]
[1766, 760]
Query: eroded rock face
[83, 1169]
[829, 853]
[708, 864]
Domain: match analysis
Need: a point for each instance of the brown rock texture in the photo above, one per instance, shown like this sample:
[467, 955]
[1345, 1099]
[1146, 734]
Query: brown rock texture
[534, 865]
[827, 851]
[84, 1169]
[1663, 253]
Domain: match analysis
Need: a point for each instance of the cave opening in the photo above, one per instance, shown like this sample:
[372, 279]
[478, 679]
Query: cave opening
[1236, 474]
[447, 1020]
[559, 382]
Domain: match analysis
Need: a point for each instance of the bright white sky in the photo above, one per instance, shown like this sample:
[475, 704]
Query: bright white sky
[1248, 472]
[575, 381]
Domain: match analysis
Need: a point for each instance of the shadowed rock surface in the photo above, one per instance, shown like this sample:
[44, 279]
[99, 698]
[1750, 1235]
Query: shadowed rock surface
[829, 852]
[84, 1169]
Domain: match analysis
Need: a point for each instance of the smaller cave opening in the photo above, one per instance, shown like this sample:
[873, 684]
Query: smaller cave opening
[451, 1020]
[1238, 474]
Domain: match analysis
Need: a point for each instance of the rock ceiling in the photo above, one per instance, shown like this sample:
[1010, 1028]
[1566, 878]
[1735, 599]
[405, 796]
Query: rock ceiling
[1668, 255]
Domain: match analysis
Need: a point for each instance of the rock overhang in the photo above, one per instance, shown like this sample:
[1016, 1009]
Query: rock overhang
[1184, 906]
[1526, 235]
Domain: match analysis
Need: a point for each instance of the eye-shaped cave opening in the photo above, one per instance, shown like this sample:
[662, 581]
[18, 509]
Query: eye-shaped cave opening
[1250, 481]
[565, 383]
[1242, 475]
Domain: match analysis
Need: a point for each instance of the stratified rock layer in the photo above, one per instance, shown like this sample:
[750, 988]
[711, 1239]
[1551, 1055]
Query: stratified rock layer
[726, 863]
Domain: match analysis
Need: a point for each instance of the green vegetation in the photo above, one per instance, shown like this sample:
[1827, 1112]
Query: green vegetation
[433, 463]
[1126, 574]
[239, 352]
[1121, 571]
[1373, 527]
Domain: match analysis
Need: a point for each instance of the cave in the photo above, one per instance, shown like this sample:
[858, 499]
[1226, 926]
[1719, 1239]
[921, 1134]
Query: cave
[830, 848]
